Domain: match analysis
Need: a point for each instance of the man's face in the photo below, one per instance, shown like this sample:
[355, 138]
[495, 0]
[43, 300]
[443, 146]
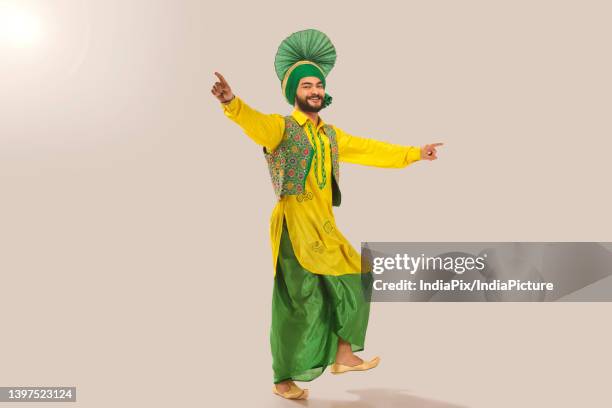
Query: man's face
[309, 95]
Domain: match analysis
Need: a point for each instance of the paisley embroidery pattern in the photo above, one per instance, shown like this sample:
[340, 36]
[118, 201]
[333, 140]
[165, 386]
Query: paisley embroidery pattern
[317, 247]
[328, 227]
[305, 196]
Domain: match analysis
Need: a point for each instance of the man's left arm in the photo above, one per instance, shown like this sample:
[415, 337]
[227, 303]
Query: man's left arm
[372, 152]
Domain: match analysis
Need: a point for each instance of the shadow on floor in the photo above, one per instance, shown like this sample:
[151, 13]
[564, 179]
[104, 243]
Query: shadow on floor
[371, 398]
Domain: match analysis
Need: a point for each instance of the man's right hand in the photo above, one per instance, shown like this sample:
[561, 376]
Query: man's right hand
[222, 90]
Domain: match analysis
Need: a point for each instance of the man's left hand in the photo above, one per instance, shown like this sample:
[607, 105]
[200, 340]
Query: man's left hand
[428, 152]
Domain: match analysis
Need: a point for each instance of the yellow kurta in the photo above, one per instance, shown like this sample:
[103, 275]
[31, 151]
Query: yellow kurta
[317, 242]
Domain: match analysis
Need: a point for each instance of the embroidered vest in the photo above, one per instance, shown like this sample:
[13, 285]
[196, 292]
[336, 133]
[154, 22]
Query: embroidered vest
[290, 162]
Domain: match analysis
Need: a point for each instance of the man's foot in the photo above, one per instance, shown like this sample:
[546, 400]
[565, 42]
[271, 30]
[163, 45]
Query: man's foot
[288, 389]
[284, 386]
[339, 368]
[348, 360]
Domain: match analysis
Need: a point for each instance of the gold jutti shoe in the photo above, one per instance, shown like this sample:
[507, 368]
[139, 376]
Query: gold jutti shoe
[294, 392]
[366, 365]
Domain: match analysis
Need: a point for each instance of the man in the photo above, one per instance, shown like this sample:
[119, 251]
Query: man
[320, 306]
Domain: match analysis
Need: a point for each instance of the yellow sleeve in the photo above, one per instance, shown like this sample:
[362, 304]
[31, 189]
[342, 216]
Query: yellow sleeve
[371, 152]
[265, 130]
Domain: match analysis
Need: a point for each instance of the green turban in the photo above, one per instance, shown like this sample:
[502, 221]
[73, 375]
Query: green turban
[304, 53]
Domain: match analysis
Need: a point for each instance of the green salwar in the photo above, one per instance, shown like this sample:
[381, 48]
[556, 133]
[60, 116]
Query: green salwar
[309, 312]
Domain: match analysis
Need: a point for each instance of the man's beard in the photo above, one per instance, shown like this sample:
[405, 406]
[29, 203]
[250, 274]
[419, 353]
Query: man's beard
[306, 107]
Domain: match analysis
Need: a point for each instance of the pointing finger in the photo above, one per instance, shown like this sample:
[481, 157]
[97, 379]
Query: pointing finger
[223, 81]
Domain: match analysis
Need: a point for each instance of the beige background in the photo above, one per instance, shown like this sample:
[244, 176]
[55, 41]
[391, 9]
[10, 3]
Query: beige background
[134, 216]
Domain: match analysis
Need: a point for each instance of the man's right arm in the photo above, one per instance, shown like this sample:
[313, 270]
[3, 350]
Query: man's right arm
[265, 130]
